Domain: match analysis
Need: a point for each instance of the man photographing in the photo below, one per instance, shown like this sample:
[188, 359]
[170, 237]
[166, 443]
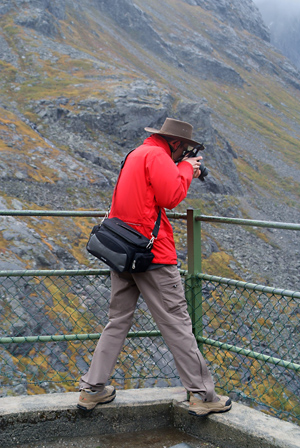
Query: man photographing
[156, 176]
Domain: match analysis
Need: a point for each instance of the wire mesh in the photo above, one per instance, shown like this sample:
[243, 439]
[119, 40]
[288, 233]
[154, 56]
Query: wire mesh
[50, 323]
[263, 323]
[66, 305]
[78, 305]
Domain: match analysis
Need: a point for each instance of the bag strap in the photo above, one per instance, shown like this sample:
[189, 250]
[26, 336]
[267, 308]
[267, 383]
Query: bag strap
[157, 222]
[157, 225]
[122, 166]
[124, 160]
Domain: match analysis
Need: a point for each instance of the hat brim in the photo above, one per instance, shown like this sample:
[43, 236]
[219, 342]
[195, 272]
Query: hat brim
[185, 140]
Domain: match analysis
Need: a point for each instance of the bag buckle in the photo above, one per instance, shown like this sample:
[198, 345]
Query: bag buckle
[151, 242]
[105, 216]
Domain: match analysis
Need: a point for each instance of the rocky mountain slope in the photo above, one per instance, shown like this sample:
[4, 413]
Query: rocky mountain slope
[79, 81]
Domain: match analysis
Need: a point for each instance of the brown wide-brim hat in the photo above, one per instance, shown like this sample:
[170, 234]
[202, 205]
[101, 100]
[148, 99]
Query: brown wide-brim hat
[177, 129]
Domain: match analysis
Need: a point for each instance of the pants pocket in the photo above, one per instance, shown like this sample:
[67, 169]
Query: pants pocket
[172, 295]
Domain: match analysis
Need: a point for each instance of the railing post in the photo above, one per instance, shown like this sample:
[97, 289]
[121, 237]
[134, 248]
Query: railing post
[193, 284]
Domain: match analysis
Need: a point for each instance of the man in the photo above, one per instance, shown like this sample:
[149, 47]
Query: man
[153, 179]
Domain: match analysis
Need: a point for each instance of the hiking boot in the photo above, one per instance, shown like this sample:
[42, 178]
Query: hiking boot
[202, 408]
[88, 399]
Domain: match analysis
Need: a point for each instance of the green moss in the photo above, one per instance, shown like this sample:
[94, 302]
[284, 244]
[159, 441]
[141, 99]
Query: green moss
[218, 264]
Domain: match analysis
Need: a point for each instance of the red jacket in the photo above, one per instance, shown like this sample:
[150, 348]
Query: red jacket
[150, 180]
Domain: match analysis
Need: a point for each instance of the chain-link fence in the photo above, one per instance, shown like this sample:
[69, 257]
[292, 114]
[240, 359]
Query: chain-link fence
[250, 338]
[50, 323]
[51, 320]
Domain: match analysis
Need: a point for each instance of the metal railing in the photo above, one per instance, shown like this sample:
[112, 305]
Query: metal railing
[249, 333]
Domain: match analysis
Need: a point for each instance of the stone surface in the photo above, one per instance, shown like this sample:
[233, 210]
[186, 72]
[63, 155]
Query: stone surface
[29, 419]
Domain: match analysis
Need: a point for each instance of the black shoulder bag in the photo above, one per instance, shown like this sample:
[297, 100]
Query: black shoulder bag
[120, 246]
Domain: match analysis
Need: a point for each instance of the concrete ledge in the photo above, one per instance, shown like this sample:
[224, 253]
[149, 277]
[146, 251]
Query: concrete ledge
[29, 419]
[241, 427]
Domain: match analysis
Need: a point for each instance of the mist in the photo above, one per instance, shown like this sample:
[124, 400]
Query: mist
[285, 7]
[282, 17]
[283, 3]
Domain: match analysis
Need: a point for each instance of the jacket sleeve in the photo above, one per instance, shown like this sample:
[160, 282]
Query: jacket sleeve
[170, 182]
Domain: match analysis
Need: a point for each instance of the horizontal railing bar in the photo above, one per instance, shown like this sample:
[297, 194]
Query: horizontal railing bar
[252, 286]
[55, 272]
[153, 333]
[143, 334]
[72, 213]
[212, 278]
[58, 272]
[249, 222]
[250, 353]
[48, 338]
[174, 215]
[88, 213]
[71, 337]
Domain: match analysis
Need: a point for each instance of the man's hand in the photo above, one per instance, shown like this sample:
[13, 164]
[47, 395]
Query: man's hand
[195, 162]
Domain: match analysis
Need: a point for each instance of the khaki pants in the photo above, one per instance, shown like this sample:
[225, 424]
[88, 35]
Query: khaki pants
[163, 293]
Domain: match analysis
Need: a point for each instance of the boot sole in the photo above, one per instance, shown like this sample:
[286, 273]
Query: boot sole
[209, 412]
[109, 400]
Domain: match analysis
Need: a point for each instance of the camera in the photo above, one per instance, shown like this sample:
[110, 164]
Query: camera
[203, 170]
[193, 153]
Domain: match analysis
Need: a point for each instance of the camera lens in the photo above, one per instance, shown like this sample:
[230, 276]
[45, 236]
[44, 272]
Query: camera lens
[204, 172]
